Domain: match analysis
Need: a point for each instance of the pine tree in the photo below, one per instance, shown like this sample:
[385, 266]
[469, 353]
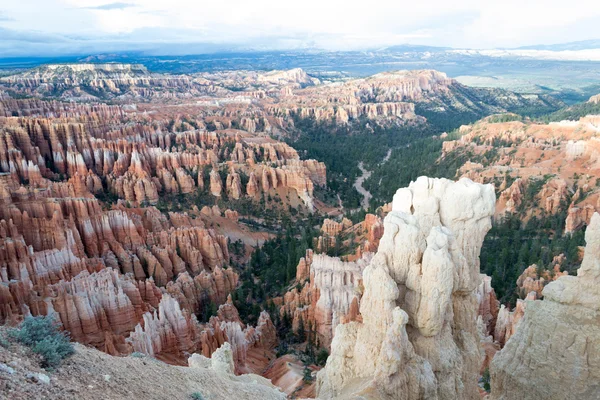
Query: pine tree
[301, 334]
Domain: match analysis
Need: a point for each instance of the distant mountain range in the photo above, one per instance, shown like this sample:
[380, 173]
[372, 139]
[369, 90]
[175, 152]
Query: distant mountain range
[571, 46]
[568, 70]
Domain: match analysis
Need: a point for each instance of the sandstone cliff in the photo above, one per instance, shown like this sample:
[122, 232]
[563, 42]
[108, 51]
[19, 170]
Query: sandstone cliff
[554, 352]
[541, 170]
[418, 338]
[331, 295]
[89, 81]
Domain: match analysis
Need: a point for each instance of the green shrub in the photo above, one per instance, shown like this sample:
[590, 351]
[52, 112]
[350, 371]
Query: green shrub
[197, 396]
[4, 342]
[54, 349]
[322, 357]
[485, 378]
[307, 375]
[42, 335]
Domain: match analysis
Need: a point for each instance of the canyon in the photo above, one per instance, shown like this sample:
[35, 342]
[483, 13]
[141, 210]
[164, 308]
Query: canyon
[173, 218]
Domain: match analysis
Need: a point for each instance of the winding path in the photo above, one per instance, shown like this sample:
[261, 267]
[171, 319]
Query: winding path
[358, 184]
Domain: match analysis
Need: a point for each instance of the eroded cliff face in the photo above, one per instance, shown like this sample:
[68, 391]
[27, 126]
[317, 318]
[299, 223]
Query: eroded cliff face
[90, 81]
[269, 101]
[539, 169]
[531, 280]
[328, 289]
[554, 352]
[121, 276]
[363, 236]
[418, 336]
[329, 297]
[112, 153]
[171, 333]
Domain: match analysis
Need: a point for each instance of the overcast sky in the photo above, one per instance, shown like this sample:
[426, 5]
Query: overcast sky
[51, 27]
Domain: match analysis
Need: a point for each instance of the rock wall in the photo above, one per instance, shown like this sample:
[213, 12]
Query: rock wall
[488, 303]
[171, 333]
[540, 170]
[418, 338]
[331, 296]
[223, 365]
[507, 320]
[531, 280]
[554, 352]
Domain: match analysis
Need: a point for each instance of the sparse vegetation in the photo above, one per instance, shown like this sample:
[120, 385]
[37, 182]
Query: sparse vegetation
[511, 246]
[42, 335]
[572, 113]
[485, 380]
[307, 375]
[4, 342]
[322, 357]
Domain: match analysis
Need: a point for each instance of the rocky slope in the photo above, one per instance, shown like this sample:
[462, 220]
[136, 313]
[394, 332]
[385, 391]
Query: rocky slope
[132, 223]
[90, 375]
[394, 96]
[557, 337]
[561, 157]
[419, 293]
[110, 216]
[330, 296]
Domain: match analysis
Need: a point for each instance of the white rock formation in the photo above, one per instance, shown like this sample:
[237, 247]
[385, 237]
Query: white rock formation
[555, 352]
[418, 338]
[221, 363]
[338, 284]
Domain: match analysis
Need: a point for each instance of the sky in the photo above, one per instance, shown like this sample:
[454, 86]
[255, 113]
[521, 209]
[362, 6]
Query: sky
[64, 27]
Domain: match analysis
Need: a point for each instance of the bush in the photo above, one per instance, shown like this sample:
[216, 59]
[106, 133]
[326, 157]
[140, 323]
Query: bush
[322, 357]
[307, 375]
[42, 335]
[197, 396]
[485, 379]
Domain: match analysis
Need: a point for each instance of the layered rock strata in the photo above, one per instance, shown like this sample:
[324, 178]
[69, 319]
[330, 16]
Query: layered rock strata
[540, 170]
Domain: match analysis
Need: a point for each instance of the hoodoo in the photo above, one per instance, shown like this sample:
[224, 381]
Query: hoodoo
[555, 351]
[418, 338]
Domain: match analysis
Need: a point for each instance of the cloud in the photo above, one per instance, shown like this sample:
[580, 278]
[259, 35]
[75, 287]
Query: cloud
[271, 24]
[111, 6]
[11, 35]
[5, 18]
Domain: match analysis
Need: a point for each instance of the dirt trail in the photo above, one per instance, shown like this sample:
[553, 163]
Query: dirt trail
[358, 184]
